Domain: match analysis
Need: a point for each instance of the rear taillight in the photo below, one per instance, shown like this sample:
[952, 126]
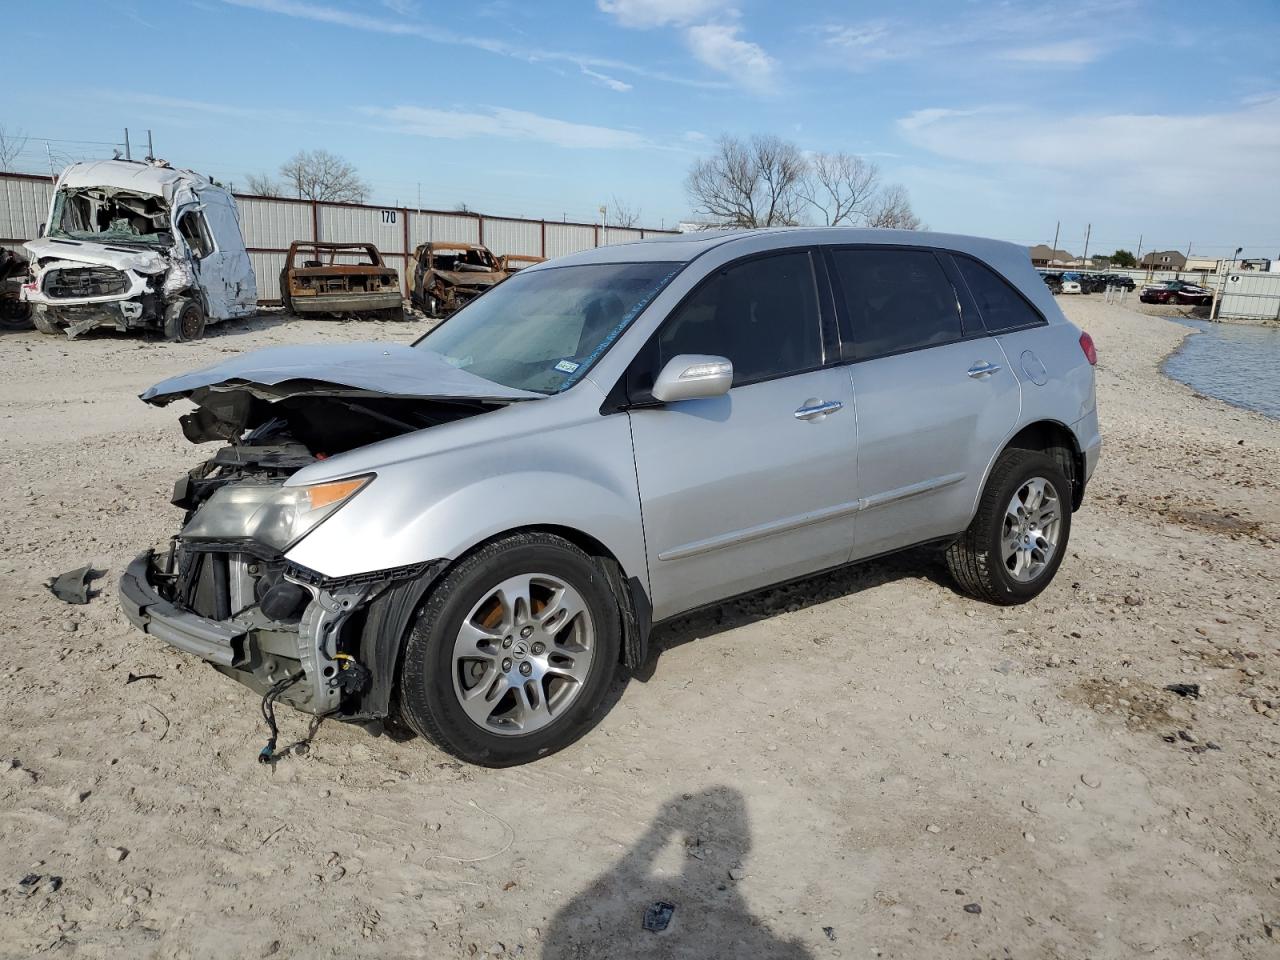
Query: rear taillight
[1090, 351]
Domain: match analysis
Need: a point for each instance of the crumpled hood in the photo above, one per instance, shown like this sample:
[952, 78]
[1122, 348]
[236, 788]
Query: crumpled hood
[122, 258]
[384, 369]
[464, 278]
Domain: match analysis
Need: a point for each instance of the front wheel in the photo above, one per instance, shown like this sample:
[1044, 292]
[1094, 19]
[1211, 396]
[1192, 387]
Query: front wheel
[183, 320]
[1019, 534]
[512, 654]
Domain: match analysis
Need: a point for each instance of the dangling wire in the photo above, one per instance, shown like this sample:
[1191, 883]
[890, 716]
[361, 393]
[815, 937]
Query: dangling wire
[267, 754]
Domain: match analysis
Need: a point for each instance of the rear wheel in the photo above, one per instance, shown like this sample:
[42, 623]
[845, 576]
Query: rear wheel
[1019, 534]
[513, 652]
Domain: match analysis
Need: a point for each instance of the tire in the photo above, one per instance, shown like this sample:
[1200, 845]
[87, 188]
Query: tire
[981, 561]
[437, 674]
[15, 314]
[41, 319]
[183, 320]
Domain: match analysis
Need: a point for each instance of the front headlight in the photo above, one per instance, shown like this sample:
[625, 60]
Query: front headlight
[275, 516]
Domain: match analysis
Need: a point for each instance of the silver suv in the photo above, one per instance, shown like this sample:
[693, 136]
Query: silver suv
[471, 534]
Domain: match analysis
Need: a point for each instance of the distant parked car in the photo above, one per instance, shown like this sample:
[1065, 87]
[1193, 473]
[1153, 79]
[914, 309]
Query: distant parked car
[340, 279]
[1052, 280]
[511, 262]
[1176, 291]
[1120, 280]
[449, 275]
[1070, 286]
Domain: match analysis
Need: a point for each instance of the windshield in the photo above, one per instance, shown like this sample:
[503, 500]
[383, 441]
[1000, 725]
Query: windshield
[542, 330]
[108, 215]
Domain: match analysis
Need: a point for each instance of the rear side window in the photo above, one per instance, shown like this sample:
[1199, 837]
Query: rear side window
[895, 300]
[1001, 306]
[762, 314]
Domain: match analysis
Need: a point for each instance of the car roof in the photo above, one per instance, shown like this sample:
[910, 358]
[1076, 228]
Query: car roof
[135, 175]
[681, 248]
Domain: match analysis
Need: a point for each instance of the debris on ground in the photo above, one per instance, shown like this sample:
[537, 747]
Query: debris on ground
[972, 908]
[74, 585]
[657, 916]
[830, 932]
[135, 677]
[1191, 690]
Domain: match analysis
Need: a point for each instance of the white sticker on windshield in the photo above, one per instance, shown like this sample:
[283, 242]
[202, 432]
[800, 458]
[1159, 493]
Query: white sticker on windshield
[567, 366]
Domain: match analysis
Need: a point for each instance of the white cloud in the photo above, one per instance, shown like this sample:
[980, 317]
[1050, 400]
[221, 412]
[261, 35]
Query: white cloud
[719, 46]
[613, 83]
[1122, 160]
[1067, 53]
[643, 14]
[506, 124]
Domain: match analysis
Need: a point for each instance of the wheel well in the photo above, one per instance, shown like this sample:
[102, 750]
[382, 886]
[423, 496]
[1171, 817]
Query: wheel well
[1051, 437]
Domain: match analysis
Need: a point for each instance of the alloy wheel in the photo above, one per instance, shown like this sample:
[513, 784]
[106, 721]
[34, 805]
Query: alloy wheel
[1032, 525]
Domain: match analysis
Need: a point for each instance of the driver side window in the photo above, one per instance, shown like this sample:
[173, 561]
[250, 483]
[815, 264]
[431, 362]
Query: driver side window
[762, 314]
[195, 231]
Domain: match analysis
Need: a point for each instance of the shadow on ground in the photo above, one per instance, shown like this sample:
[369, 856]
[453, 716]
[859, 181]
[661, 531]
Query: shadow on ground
[705, 836]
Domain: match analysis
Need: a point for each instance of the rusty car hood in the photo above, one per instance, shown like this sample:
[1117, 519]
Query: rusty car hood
[347, 369]
[467, 278]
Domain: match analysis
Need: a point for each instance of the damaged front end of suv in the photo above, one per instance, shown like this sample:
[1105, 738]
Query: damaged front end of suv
[225, 588]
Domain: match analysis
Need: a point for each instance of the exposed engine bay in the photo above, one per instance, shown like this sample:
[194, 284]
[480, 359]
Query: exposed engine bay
[223, 588]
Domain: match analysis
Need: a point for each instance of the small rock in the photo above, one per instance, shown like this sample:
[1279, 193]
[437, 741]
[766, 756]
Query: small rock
[1090, 781]
[52, 885]
[972, 908]
[1028, 836]
[496, 950]
[933, 828]
[272, 949]
[830, 933]
[1133, 600]
[69, 626]
[736, 873]
[117, 853]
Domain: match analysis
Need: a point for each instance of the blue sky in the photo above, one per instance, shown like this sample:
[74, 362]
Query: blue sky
[1159, 119]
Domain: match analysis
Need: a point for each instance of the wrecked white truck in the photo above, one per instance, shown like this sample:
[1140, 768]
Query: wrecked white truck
[133, 245]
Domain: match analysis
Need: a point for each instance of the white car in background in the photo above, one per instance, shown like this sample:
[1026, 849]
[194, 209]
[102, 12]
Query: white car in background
[1070, 286]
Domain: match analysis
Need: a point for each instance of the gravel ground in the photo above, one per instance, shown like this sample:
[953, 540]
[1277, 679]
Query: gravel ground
[862, 765]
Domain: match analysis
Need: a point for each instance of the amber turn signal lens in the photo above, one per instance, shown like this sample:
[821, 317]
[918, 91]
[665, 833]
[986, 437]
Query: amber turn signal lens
[323, 494]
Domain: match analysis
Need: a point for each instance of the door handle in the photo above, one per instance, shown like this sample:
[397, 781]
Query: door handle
[983, 369]
[815, 409]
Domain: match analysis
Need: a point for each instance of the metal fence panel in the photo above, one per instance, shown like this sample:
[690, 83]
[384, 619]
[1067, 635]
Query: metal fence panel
[513, 236]
[565, 238]
[274, 224]
[24, 205]
[382, 226]
[1251, 295]
[610, 235]
[267, 267]
[458, 227]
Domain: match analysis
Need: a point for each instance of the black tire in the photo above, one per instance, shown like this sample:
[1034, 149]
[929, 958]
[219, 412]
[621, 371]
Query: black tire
[15, 314]
[976, 560]
[428, 703]
[184, 320]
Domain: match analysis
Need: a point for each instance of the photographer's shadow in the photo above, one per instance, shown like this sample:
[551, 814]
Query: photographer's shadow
[712, 836]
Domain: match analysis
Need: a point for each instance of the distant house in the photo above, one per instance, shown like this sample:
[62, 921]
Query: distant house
[1043, 255]
[1202, 264]
[1164, 260]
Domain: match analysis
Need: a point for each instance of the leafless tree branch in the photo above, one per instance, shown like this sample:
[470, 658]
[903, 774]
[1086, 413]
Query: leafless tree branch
[12, 143]
[264, 185]
[752, 183]
[321, 175]
[840, 186]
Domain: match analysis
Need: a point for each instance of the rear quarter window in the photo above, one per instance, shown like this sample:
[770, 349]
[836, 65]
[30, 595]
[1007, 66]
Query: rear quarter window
[1001, 305]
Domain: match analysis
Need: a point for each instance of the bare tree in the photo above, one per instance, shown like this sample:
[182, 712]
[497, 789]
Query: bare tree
[752, 183]
[463, 208]
[619, 214]
[264, 185]
[840, 186]
[12, 143]
[892, 208]
[321, 175]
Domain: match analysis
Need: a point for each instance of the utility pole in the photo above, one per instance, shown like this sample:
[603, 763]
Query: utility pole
[128, 155]
[1056, 227]
[151, 150]
[1084, 260]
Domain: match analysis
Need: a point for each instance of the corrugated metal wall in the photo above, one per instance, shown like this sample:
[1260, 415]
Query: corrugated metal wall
[24, 204]
[1252, 295]
[270, 224]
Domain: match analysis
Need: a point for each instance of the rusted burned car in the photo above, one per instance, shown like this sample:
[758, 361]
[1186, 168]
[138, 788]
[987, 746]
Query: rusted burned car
[509, 263]
[138, 245]
[341, 279]
[448, 275]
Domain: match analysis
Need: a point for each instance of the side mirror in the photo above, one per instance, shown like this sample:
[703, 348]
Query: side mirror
[693, 376]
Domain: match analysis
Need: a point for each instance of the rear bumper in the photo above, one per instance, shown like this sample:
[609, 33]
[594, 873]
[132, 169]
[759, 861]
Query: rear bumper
[211, 640]
[347, 303]
[1089, 436]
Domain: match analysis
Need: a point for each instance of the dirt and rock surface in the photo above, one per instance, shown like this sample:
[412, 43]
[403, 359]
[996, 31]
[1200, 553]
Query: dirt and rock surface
[862, 765]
